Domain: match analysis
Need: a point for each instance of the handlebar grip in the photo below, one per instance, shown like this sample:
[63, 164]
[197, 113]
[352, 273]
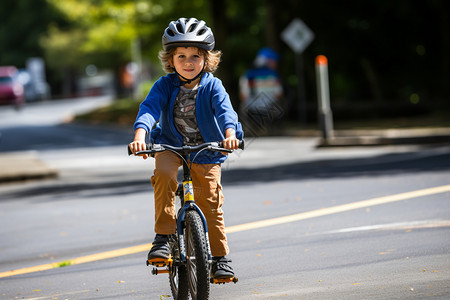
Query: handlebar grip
[241, 144]
[147, 146]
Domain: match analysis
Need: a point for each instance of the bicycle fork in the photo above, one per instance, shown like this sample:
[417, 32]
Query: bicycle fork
[189, 204]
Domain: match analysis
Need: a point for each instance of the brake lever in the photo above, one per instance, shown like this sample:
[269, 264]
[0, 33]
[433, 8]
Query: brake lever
[155, 147]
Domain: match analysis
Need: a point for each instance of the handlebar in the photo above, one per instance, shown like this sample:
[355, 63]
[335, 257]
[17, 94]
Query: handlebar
[184, 150]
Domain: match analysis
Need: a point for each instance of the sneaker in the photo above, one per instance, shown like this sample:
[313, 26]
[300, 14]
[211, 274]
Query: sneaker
[221, 269]
[160, 248]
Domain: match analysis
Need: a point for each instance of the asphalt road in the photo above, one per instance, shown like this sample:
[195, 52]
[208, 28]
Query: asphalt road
[300, 225]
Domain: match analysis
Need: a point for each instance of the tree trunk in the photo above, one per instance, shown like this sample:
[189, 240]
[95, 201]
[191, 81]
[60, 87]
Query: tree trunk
[272, 24]
[221, 32]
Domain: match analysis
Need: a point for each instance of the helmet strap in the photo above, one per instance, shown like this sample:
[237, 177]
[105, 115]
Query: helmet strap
[188, 81]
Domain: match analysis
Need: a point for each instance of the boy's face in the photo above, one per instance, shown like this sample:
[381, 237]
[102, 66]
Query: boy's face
[188, 61]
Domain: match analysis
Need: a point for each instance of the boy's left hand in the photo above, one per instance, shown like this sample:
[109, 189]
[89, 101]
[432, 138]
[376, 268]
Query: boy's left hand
[230, 142]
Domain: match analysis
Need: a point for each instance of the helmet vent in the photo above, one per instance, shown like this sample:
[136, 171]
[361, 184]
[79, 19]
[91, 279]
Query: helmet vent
[170, 32]
[192, 27]
[180, 28]
[201, 31]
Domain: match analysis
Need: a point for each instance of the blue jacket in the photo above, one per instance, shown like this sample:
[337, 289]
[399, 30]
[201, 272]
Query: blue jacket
[214, 114]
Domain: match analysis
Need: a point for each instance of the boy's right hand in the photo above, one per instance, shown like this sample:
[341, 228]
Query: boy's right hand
[138, 145]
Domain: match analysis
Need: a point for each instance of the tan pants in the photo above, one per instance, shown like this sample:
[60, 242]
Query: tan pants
[207, 192]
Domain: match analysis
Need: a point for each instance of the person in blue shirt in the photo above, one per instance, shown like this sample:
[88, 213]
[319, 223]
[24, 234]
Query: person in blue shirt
[189, 106]
[261, 89]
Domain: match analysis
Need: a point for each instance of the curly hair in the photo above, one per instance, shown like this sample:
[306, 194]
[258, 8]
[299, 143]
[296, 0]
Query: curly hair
[212, 59]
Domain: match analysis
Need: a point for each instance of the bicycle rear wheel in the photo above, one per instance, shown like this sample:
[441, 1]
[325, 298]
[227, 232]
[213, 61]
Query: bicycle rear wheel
[197, 256]
[177, 272]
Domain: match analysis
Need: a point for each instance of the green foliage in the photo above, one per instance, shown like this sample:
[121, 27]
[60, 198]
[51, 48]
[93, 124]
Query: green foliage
[102, 31]
[144, 88]
[378, 51]
[121, 112]
[23, 22]
[99, 31]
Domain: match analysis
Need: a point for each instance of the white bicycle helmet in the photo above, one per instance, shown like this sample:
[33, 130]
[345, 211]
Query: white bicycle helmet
[188, 33]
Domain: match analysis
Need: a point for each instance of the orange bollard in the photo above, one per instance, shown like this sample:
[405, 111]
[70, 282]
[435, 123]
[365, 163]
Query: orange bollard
[323, 94]
[321, 60]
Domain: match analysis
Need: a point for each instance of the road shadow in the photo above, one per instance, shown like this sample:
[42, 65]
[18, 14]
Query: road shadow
[388, 164]
[63, 136]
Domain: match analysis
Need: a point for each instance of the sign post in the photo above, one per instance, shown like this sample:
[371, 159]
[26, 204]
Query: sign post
[298, 36]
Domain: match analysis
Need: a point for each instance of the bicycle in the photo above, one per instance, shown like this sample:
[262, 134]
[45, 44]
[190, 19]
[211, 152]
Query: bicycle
[189, 264]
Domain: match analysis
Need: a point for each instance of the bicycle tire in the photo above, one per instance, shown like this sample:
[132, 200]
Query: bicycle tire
[197, 265]
[177, 272]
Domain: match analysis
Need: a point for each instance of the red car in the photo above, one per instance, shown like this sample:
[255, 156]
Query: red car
[11, 90]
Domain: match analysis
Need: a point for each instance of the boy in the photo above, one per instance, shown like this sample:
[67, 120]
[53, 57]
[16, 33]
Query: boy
[192, 107]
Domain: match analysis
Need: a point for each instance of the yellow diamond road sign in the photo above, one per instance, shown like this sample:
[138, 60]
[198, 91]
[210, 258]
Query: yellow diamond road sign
[297, 35]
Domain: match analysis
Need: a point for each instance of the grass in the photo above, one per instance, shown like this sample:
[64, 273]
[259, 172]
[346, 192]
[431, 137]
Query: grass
[121, 112]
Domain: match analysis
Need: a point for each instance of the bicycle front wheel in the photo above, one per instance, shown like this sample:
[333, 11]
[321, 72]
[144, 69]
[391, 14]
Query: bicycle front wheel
[197, 256]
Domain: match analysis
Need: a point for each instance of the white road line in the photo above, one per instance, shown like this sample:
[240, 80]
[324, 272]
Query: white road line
[392, 226]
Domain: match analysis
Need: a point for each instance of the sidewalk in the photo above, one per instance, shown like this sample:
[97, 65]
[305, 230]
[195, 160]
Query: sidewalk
[349, 138]
[15, 166]
[20, 166]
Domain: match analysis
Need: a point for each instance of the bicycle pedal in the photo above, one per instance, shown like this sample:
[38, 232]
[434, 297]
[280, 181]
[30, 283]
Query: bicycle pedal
[223, 280]
[160, 262]
[156, 271]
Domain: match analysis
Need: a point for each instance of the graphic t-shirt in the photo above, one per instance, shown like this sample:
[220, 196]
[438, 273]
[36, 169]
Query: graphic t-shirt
[184, 116]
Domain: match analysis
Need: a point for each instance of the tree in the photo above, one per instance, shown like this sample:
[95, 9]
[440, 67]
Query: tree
[104, 32]
[98, 32]
[379, 51]
[23, 23]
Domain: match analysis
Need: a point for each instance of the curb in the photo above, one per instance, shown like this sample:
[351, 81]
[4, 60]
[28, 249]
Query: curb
[418, 136]
[382, 141]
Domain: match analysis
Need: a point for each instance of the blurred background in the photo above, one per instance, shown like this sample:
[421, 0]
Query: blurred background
[388, 60]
